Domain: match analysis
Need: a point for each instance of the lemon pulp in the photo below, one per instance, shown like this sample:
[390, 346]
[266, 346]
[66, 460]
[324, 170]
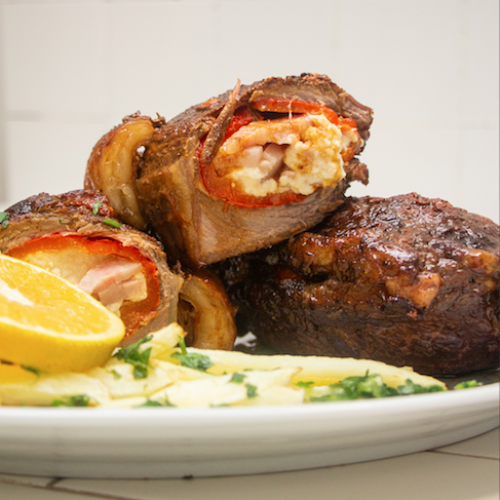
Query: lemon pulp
[49, 324]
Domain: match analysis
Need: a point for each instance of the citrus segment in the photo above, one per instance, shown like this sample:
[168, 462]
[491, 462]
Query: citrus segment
[49, 324]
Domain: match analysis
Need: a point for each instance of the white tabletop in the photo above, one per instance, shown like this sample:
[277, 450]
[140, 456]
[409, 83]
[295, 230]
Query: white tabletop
[468, 470]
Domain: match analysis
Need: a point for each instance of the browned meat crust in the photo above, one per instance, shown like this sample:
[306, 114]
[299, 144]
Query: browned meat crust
[200, 229]
[405, 280]
[73, 214]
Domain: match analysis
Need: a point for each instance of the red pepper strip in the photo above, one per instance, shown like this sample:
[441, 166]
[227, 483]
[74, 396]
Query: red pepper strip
[133, 314]
[241, 118]
[301, 107]
[312, 108]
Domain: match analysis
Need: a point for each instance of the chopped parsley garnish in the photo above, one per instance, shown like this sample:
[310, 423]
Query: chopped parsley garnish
[132, 356]
[115, 374]
[467, 384]
[193, 360]
[411, 388]
[371, 386]
[307, 384]
[156, 403]
[77, 400]
[96, 207]
[150, 402]
[112, 222]
[31, 369]
[4, 219]
[251, 391]
[237, 378]
[182, 345]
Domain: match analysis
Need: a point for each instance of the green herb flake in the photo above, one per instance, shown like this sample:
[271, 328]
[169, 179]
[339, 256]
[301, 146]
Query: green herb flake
[115, 374]
[305, 384]
[150, 402]
[251, 391]
[31, 369]
[237, 378]
[156, 403]
[371, 386]
[139, 360]
[182, 345]
[4, 219]
[112, 222]
[73, 401]
[467, 384]
[411, 388]
[193, 360]
[96, 207]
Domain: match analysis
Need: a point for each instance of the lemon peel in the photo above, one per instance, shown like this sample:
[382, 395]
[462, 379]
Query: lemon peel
[50, 324]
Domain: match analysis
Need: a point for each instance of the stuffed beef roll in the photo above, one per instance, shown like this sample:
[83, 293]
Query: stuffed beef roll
[244, 170]
[75, 236]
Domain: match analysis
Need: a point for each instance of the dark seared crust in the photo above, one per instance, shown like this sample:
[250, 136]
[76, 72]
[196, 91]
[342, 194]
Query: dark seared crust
[199, 229]
[72, 213]
[404, 280]
[314, 88]
[44, 203]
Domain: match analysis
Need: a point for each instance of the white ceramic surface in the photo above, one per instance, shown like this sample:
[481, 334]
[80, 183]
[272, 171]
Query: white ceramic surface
[167, 443]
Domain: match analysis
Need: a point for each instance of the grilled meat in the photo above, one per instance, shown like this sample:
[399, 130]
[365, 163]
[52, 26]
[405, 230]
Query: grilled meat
[406, 280]
[74, 235]
[243, 170]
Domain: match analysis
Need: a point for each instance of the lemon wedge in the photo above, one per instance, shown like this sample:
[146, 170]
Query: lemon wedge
[49, 324]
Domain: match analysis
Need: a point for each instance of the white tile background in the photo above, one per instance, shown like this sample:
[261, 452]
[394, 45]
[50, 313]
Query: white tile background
[71, 69]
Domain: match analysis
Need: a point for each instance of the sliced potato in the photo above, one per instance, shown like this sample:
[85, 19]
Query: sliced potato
[317, 369]
[190, 378]
[48, 390]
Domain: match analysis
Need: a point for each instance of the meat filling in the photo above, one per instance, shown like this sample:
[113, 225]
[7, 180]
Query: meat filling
[115, 280]
[298, 154]
[111, 280]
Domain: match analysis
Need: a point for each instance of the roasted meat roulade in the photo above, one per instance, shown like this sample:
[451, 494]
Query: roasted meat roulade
[238, 172]
[75, 236]
[406, 280]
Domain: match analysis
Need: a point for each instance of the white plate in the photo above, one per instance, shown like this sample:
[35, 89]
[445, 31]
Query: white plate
[170, 442]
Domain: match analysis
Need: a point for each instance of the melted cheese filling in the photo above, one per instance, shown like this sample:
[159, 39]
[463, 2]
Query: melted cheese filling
[299, 154]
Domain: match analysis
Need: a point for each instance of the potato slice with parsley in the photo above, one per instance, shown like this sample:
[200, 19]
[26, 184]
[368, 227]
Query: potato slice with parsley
[250, 388]
[155, 372]
[63, 389]
[271, 387]
[314, 370]
[119, 378]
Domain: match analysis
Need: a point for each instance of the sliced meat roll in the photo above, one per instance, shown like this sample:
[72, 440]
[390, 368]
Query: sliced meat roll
[405, 280]
[243, 170]
[75, 236]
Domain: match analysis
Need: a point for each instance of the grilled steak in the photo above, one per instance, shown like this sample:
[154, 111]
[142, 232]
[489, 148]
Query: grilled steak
[251, 167]
[75, 236]
[406, 280]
